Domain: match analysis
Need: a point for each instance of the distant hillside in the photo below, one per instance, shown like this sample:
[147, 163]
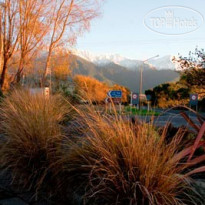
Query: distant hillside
[113, 73]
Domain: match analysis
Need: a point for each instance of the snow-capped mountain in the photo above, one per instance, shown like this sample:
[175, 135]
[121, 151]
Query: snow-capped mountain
[132, 64]
[100, 59]
[164, 62]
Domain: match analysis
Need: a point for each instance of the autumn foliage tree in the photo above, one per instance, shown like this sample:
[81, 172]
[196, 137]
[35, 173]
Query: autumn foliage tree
[95, 91]
[90, 89]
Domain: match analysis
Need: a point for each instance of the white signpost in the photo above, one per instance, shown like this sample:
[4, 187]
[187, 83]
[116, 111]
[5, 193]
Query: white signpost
[44, 91]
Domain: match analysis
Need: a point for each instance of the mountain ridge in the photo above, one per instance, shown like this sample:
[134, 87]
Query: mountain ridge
[159, 63]
[112, 73]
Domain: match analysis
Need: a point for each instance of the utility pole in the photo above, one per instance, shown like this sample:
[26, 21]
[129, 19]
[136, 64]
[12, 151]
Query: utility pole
[140, 91]
[141, 78]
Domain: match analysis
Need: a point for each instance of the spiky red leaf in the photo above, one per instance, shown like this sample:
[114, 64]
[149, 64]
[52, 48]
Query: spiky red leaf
[189, 120]
[197, 170]
[186, 152]
[197, 141]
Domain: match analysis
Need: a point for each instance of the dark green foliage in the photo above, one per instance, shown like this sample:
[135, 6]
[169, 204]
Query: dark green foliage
[153, 96]
[193, 68]
[201, 105]
[168, 91]
[194, 77]
[67, 91]
[183, 92]
[192, 80]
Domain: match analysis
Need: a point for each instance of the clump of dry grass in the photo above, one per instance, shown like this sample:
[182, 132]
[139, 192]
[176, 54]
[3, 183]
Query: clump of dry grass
[102, 160]
[121, 163]
[32, 130]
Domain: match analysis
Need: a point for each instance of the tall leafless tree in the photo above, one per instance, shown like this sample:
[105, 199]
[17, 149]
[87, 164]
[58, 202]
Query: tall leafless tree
[28, 25]
[33, 27]
[69, 18]
[9, 34]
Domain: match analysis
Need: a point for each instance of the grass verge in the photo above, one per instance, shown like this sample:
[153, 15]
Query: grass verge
[135, 111]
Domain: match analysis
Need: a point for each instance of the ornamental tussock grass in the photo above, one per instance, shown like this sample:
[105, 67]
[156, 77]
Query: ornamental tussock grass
[118, 162]
[32, 132]
[101, 160]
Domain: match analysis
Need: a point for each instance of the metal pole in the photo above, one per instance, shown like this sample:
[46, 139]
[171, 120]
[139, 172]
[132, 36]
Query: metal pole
[131, 99]
[140, 88]
[141, 77]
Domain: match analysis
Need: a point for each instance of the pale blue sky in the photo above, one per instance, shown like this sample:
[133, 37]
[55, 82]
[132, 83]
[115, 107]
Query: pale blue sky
[120, 30]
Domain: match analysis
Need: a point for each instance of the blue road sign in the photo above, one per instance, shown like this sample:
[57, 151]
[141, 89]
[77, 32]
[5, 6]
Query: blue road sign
[115, 93]
[193, 99]
[135, 98]
[149, 97]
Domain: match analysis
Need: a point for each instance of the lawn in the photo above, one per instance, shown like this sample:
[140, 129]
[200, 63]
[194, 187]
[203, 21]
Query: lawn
[135, 111]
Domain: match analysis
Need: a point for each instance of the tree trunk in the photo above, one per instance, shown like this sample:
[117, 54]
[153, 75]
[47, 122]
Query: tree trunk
[46, 68]
[19, 72]
[3, 74]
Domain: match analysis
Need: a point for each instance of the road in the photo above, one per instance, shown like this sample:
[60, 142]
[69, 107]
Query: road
[172, 116]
